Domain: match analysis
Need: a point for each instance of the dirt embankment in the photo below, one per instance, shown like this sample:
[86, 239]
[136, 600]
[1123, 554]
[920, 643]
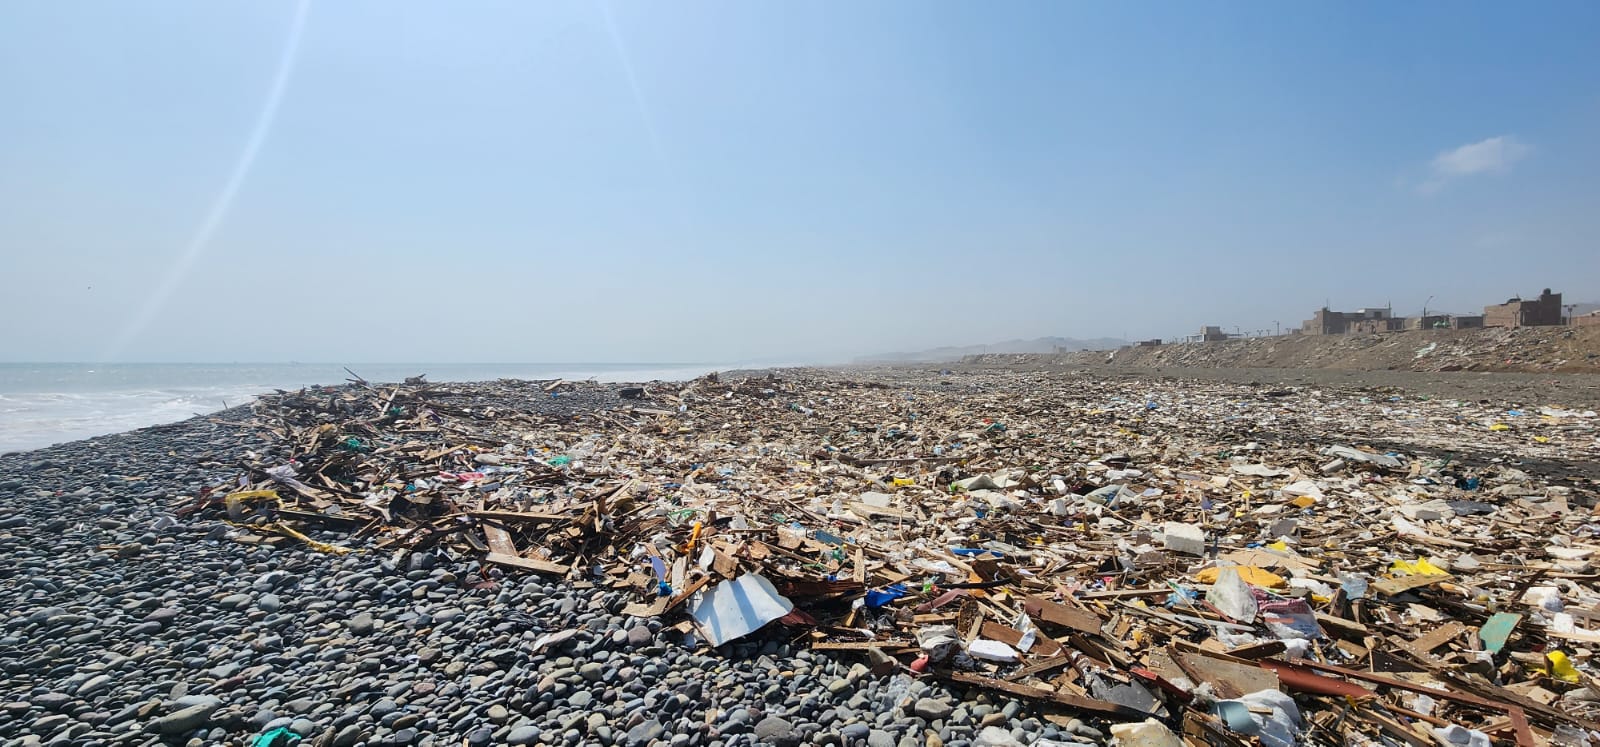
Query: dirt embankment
[1531, 349]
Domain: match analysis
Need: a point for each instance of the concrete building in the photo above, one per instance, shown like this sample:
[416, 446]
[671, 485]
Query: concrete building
[1431, 321]
[1326, 322]
[1212, 334]
[1444, 321]
[1544, 311]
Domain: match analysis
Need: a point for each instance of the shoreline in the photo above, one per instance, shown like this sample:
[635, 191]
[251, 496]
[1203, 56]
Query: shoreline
[46, 404]
[142, 610]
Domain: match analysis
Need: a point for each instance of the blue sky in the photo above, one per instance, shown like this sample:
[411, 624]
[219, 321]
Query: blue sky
[730, 181]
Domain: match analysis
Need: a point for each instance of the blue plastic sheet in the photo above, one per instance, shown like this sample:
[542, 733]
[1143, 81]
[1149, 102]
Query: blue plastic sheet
[975, 551]
[879, 597]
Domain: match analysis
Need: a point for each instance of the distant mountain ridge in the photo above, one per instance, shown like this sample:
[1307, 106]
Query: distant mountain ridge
[1036, 345]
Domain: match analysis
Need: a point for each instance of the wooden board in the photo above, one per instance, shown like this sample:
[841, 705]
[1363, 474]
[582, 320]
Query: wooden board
[1077, 619]
[1230, 678]
[1043, 645]
[1024, 691]
[518, 516]
[1439, 636]
[1391, 586]
[526, 564]
[499, 540]
[862, 645]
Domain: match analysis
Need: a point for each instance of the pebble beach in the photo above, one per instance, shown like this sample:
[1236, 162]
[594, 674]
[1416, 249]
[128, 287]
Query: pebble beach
[129, 621]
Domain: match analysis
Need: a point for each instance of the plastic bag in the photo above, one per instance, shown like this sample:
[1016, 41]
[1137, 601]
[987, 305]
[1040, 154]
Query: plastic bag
[1231, 595]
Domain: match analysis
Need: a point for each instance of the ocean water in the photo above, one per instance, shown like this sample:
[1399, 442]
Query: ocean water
[47, 403]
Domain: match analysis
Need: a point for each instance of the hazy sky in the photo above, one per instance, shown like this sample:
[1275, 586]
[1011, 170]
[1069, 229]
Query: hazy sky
[533, 181]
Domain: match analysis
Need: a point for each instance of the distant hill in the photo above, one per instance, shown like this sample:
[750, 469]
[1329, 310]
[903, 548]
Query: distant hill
[1038, 345]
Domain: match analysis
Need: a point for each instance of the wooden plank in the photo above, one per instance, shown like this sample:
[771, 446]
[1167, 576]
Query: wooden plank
[518, 516]
[1040, 667]
[1417, 652]
[1394, 728]
[499, 540]
[432, 455]
[1185, 619]
[1080, 620]
[1124, 593]
[1200, 729]
[724, 564]
[1439, 636]
[870, 512]
[1258, 650]
[862, 645]
[1343, 627]
[1042, 646]
[1092, 647]
[687, 591]
[1230, 678]
[526, 564]
[1573, 635]
[1391, 586]
[1024, 691]
[322, 517]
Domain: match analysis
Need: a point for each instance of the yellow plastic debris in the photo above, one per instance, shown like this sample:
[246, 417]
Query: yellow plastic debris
[903, 482]
[1280, 546]
[1419, 567]
[1250, 574]
[1560, 667]
[1304, 501]
[1499, 427]
[317, 545]
[1542, 439]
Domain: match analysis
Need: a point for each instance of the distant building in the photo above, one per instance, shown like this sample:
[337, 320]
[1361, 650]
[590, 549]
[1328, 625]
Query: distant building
[1326, 322]
[1544, 311]
[1431, 321]
[1212, 334]
[1150, 343]
[1444, 321]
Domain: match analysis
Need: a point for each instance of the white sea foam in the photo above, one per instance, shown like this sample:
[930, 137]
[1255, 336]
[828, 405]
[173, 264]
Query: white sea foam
[44, 404]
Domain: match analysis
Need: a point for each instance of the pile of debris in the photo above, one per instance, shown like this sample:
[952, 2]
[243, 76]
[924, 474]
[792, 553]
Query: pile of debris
[1532, 349]
[1211, 560]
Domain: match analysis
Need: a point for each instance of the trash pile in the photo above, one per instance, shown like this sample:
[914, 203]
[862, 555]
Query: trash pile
[1195, 562]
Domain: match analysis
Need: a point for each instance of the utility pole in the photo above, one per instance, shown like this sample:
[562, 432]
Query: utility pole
[1277, 329]
[1425, 307]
